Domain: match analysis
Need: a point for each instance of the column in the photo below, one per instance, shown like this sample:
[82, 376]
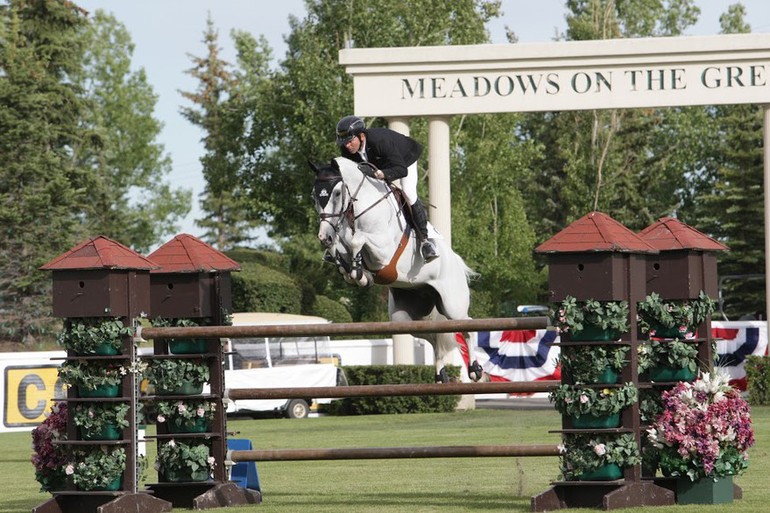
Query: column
[438, 177]
[766, 137]
[403, 345]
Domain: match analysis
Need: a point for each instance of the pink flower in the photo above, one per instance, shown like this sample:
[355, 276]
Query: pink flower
[181, 407]
[69, 469]
[583, 398]
[161, 419]
[600, 449]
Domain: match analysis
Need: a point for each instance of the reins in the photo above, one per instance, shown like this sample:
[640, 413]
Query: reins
[347, 212]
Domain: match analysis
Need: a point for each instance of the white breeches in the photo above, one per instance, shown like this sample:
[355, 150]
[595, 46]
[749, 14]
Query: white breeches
[408, 184]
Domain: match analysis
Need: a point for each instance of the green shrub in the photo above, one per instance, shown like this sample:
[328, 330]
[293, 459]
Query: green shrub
[330, 309]
[261, 289]
[393, 375]
[758, 379]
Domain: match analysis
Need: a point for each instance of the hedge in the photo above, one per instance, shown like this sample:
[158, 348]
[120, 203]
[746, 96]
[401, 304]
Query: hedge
[261, 289]
[393, 375]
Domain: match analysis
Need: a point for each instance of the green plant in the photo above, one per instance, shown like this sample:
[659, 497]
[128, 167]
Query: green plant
[182, 322]
[587, 362]
[96, 467]
[183, 458]
[704, 430]
[93, 418]
[576, 400]
[675, 354]
[684, 315]
[83, 335]
[758, 379]
[48, 456]
[581, 453]
[390, 375]
[173, 373]
[185, 414]
[575, 316]
[91, 374]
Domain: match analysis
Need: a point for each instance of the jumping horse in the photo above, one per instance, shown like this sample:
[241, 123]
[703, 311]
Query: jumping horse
[364, 228]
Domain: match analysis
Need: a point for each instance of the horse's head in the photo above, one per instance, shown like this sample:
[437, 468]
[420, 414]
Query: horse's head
[331, 200]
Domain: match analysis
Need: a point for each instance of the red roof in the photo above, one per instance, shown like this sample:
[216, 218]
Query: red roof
[99, 253]
[669, 234]
[187, 254]
[595, 232]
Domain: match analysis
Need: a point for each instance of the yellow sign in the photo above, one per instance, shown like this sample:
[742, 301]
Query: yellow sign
[28, 393]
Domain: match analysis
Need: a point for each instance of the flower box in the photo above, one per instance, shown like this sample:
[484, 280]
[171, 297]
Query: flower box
[186, 476]
[109, 432]
[590, 421]
[186, 388]
[704, 490]
[100, 391]
[188, 346]
[608, 472]
[591, 333]
[665, 373]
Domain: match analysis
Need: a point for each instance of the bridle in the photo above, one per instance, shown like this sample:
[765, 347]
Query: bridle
[347, 212]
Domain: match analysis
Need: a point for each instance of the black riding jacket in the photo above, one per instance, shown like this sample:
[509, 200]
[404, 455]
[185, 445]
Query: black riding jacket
[390, 151]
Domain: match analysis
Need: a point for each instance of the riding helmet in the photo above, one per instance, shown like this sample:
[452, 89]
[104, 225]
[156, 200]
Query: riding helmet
[349, 127]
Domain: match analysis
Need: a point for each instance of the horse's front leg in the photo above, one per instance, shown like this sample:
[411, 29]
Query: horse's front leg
[358, 273]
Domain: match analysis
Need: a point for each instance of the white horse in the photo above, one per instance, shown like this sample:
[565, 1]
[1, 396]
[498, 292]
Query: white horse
[363, 226]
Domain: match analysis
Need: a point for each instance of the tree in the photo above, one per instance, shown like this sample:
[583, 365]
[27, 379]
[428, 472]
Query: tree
[729, 203]
[41, 190]
[217, 114]
[128, 197]
[610, 160]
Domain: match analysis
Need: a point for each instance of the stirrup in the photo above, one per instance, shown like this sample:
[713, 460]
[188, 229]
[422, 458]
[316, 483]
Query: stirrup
[428, 250]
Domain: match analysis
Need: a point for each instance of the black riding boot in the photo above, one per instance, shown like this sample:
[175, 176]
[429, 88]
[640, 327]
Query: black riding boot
[420, 218]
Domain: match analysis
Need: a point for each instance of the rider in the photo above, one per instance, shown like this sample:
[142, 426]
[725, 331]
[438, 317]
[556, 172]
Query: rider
[388, 155]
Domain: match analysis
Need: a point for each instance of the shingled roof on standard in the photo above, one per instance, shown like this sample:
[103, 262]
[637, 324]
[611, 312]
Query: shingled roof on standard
[670, 234]
[99, 253]
[595, 231]
[187, 254]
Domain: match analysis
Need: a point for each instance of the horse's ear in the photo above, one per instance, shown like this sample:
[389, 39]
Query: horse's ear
[314, 167]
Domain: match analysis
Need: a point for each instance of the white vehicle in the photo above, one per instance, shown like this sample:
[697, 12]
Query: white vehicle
[279, 362]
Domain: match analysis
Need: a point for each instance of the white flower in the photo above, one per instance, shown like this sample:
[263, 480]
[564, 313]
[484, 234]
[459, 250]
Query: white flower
[171, 443]
[69, 469]
[583, 398]
[562, 448]
[200, 412]
[161, 419]
[600, 449]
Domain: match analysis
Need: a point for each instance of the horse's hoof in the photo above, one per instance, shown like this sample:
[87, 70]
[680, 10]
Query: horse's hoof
[442, 376]
[475, 371]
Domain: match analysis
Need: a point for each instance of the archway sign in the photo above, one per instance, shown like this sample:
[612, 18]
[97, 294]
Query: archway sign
[442, 81]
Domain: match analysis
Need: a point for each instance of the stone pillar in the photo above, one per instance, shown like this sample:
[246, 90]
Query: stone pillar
[438, 176]
[403, 345]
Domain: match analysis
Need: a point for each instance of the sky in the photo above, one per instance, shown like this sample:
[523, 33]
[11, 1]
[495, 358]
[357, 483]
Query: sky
[166, 32]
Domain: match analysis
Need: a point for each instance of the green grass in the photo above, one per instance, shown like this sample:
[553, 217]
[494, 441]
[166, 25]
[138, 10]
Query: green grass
[399, 486]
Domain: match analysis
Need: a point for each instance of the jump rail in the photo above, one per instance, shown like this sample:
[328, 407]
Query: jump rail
[390, 390]
[349, 328]
[379, 453]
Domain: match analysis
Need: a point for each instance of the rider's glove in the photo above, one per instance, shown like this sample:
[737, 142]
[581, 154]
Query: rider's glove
[368, 169]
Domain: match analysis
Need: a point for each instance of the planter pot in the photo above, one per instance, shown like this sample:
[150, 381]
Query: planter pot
[201, 426]
[187, 388]
[104, 349]
[704, 490]
[102, 391]
[594, 422]
[109, 432]
[595, 333]
[607, 377]
[608, 472]
[186, 476]
[111, 487]
[188, 346]
[664, 373]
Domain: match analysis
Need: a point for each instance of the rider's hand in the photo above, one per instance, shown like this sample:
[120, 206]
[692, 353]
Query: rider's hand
[369, 170]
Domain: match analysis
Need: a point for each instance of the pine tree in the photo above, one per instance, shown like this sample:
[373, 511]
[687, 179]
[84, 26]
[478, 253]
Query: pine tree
[41, 189]
[217, 114]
